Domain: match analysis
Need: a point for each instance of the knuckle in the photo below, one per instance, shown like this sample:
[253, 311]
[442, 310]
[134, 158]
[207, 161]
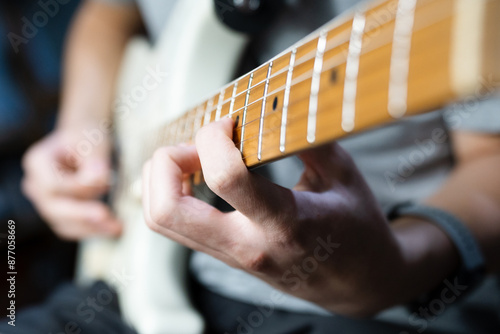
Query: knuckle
[162, 153]
[158, 214]
[257, 263]
[286, 239]
[26, 188]
[64, 235]
[152, 225]
[28, 159]
[100, 213]
[204, 132]
[68, 236]
[342, 155]
[162, 215]
[25, 161]
[224, 180]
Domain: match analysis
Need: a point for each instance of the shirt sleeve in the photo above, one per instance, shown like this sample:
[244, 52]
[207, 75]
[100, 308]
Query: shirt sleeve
[475, 115]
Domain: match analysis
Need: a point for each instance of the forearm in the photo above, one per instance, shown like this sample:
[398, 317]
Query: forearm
[428, 257]
[472, 194]
[93, 52]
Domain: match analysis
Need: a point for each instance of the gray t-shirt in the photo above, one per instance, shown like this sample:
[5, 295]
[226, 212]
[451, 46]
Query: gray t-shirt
[406, 160]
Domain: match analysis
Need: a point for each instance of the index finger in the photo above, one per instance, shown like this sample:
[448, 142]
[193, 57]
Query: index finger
[226, 174]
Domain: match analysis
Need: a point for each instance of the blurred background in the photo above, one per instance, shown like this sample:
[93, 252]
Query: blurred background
[30, 68]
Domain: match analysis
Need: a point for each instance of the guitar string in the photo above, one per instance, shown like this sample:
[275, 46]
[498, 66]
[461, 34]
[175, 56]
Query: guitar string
[303, 114]
[311, 55]
[306, 76]
[421, 4]
[298, 119]
[164, 138]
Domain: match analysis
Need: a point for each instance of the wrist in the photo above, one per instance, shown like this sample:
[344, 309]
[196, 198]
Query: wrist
[83, 141]
[96, 131]
[72, 125]
[428, 256]
[385, 280]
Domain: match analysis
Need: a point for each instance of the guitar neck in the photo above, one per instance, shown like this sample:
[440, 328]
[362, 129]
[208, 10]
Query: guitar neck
[382, 61]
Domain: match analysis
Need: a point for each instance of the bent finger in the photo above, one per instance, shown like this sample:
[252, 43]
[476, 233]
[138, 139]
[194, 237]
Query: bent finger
[226, 174]
[181, 232]
[80, 219]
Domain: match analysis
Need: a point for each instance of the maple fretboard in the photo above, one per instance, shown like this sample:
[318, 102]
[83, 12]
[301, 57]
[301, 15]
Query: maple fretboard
[380, 62]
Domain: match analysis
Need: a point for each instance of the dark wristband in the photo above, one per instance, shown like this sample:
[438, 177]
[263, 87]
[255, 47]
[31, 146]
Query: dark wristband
[472, 269]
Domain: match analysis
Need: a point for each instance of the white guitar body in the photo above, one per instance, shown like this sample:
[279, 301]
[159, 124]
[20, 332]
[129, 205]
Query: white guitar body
[146, 269]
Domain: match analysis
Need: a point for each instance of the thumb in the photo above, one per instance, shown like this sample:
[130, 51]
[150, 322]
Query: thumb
[324, 166]
[227, 176]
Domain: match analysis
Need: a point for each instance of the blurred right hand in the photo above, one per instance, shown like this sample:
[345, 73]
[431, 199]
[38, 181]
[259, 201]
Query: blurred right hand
[65, 186]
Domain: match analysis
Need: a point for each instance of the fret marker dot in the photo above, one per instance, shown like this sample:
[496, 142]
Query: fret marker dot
[275, 103]
[333, 76]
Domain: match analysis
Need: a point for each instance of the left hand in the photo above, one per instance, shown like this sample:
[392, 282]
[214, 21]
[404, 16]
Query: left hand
[325, 241]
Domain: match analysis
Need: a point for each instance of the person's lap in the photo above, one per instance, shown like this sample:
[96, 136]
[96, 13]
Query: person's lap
[96, 310]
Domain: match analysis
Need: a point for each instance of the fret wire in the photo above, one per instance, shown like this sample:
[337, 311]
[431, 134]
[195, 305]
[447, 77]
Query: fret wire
[335, 23]
[301, 118]
[263, 110]
[208, 111]
[328, 108]
[286, 100]
[190, 126]
[243, 121]
[298, 62]
[219, 104]
[183, 128]
[301, 60]
[177, 130]
[198, 119]
[400, 58]
[306, 57]
[331, 63]
[231, 106]
[300, 79]
[304, 116]
[352, 71]
[185, 133]
[315, 83]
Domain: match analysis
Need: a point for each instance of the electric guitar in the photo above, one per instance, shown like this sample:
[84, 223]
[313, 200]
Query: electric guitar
[381, 61]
